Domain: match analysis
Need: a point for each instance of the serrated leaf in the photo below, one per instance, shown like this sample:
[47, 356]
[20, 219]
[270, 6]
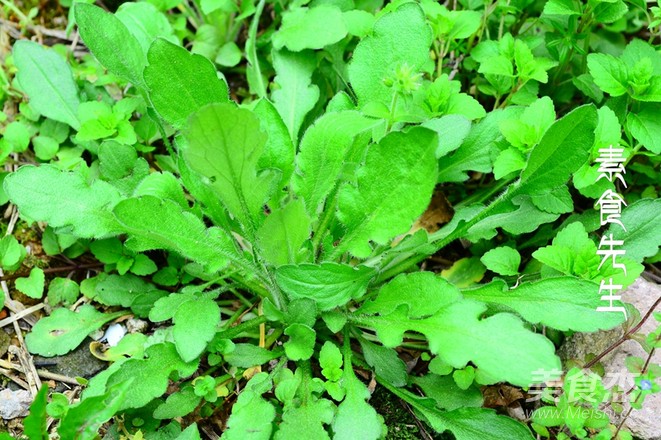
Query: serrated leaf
[145, 22]
[48, 81]
[489, 343]
[195, 325]
[503, 260]
[64, 199]
[33, 285]
[325, 146]
[150, 375]
[101, 31]
[329, 285]
[564, 303]
[644, 125]
[283, 233]
[64, 330]
[224, 145]
[380, 54]
[609, 73]
[643, 235]
[385, 361]
[330, 361]
[310, 28]
[180, 83]
[307, 420]
[426, 295]
[391, 190]
[162, 224]
[295, 95]
[252, 415]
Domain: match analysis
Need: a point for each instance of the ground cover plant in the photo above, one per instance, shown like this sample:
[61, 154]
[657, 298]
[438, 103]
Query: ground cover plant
[305, 200]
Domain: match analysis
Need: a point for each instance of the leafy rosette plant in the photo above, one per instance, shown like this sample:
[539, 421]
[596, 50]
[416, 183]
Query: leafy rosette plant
[308, 225]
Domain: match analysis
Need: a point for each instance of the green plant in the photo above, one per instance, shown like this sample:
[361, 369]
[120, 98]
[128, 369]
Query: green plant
[274, 240]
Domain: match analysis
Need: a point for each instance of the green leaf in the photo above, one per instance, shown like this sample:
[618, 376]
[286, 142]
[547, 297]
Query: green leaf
[391, 191]
[150, 376]
[252, 416]
[195, 325]
[180, 83]
[279, 151]
[48, 81]
[643, 235]
[562, 7]
[644, 125]
[145, 22]
[62, 290]
[64, 199]
[563, 149]
[45, 148]
[33, 285]
[355, 418]
[324, 149]
[17, 135]
[609, 73]
[330, 361]
[178, 404]
[473, 423]
[564, 303]
[34, 425]
[295, 94]
[306, 420]
[12, 253]
[224, 146]
[503, 260]
[64, 330]
[310, 28]
[380, 54]
[102, 31]
[329, 285]
[447, 394]
[283, 233]
[163, 224]
[426, 295]
[385, 362]
[84, 420]
[489, 343]
[471, 154]
[249, 355]
[300, 345]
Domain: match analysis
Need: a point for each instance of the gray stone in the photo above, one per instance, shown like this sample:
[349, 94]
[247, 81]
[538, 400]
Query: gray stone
[645, 423]
[14, 404]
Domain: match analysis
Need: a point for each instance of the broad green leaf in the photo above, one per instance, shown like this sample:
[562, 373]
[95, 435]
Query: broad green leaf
[162, 224]
[474, 423]
[310, 28]
[426, 295]
[62, 290]
[163, 185]
[279, 150]
[644, 125]
[64, 330]
[330, 361]
[34, 425]
[489, 343]
[180, 83]
[252, 416]
[379, 55]
[609, 73]
[300, 345]
[325, 146]
[102, 33]
[150, 375]
[48, 81]
[195, 325]
[224, 145]
[392, 189]
[514, 219]
[564, 303]
[249, 355]
[355, 418]
[64, 199]
[306, 420]
[145, 23]
[563, 149]
[609, 12]
[33, 285]
[178, 404]
[385, 362]
[329, 285]
[283, 233]
[12, 253]
[527, 130]
[464, 272]
[84, 420]
[556, 200]
[643, 235]
[295, 94]
[125, 290]
[503, 260]
[562, 7]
